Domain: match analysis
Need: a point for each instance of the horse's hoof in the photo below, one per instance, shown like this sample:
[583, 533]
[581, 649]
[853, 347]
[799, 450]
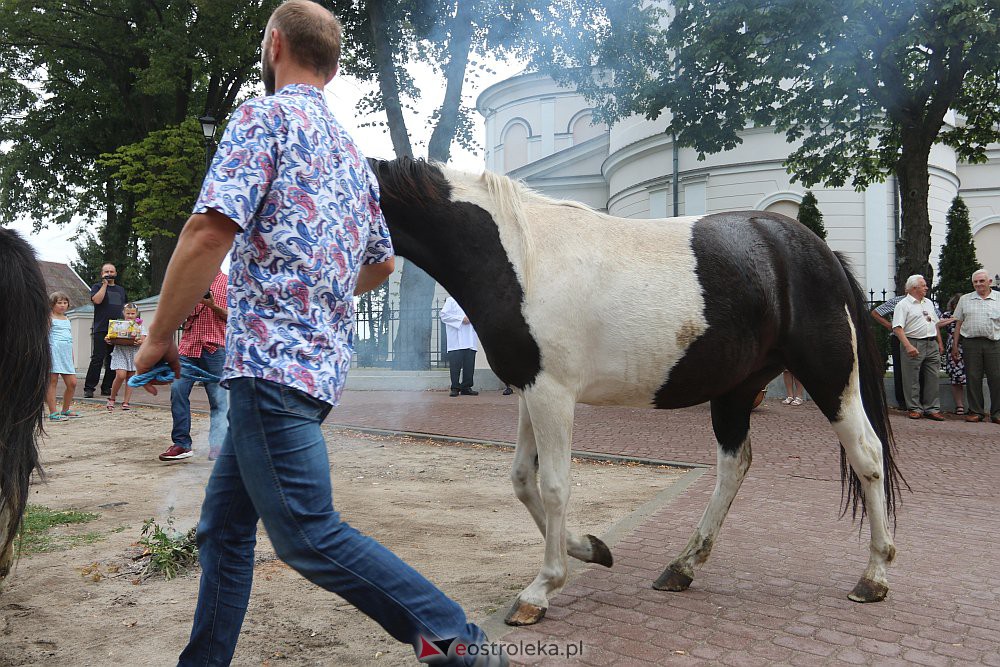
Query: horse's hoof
[524, 613]
[867, 590]
[599, 552]
[672, 580]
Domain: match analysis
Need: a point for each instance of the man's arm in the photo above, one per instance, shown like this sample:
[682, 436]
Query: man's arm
[222, 312]
[201, 247]
[98, 296]
[881, 320]
[956, 340]
[905, 342]
[373, 275]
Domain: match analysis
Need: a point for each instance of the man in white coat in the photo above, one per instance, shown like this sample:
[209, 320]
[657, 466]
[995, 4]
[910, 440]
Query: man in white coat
[461, 348]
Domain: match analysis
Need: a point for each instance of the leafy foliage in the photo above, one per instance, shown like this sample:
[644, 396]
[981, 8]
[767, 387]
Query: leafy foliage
[957, 260]
[861, 88]
[81, 79]
[810, 215]
[169, 550]
[164, 172]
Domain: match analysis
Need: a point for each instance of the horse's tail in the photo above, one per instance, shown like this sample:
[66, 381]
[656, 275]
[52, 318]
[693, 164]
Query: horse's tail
[24, 375]
[870, 375]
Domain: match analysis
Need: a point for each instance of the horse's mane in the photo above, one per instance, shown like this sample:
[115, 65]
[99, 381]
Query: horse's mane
[407, 180]
[24, 369]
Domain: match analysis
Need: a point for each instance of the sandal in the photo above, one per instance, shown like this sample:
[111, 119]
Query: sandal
[126, 406]
[56, 417]
[797, 401]
[71, 414]
[960, 410]
[788, 400]
[111, 405]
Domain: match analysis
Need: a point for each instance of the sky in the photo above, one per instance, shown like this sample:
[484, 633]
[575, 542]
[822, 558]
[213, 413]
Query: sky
[56, 244]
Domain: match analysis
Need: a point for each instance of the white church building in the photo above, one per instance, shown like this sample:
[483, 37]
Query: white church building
[542, 134]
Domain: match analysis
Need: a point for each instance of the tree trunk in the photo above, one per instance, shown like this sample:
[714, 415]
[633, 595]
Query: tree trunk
[387, 83]
[439, 148]
[913, 248]
[411, 349]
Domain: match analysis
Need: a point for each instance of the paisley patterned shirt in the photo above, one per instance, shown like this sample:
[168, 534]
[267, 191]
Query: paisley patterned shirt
[307, 203]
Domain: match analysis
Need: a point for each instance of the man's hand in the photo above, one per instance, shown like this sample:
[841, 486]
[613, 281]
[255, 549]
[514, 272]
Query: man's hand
[150, 353]
[955, 353]
[465, 320]
[912, 352]
[208, 301]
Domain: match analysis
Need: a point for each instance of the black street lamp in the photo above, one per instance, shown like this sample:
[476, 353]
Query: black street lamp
[208, 125]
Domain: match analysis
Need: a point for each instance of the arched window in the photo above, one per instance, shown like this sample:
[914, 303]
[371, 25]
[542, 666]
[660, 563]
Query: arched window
[784, 207]
[515, 146]
[582, 129]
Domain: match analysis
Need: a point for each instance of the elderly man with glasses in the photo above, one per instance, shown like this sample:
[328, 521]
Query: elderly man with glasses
[978, 315]
[914, 322]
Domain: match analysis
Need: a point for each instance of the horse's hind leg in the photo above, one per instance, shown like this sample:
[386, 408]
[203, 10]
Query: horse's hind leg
[731, 422]
[864, 453]
[589, 549]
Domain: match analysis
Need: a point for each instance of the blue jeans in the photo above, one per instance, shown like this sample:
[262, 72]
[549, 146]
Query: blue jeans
[218, 400]
[274, 465]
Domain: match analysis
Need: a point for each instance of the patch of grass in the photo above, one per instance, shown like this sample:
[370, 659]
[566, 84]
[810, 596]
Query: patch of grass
[169, 550]
[39, 520]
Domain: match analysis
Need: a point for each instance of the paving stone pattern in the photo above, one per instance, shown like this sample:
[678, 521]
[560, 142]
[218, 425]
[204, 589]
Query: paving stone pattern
[775, 588]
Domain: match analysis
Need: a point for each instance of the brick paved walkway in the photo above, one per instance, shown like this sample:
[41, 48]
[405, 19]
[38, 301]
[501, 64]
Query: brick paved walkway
[774, 590]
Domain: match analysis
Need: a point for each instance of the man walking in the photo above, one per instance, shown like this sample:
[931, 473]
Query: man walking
[203, 344]
[461, 348]
[108, 299]
[914, 322]
[289, 186]
[978, 316]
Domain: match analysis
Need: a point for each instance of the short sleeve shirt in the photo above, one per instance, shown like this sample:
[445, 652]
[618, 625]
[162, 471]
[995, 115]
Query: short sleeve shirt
[917, 318]
[307, 204]
[115, 299]
[980, 316]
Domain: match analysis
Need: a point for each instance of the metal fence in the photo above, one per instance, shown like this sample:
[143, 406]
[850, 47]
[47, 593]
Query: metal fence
[377, 322]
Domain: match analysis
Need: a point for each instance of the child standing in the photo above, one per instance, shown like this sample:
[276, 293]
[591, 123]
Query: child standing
[61, 344]
[123, 358]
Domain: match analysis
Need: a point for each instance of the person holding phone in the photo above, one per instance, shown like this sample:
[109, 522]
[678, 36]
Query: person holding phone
[108, 298]
[203, 344]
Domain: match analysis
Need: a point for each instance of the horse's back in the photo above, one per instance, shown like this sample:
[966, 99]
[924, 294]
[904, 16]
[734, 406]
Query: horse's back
[674, 312]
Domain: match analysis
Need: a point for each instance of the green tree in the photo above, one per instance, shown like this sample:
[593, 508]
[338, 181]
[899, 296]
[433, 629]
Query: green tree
[162, 174]
[957, 260]
[863, 88]
[811, 216]
[451, 36]
[80, 79]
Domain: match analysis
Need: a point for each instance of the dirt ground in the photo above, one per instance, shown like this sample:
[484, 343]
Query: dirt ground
[446, 509]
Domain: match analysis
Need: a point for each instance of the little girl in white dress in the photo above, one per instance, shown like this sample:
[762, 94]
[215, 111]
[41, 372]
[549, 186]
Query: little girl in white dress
[123, 359]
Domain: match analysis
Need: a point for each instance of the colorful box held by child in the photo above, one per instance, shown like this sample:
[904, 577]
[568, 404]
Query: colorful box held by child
[124, 332]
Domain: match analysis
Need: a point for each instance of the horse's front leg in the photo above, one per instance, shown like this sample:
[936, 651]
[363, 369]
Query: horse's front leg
[523, 477]
[551, 411]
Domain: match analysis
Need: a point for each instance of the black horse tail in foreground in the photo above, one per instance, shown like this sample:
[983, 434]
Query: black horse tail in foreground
[576, 306]
[24, 374]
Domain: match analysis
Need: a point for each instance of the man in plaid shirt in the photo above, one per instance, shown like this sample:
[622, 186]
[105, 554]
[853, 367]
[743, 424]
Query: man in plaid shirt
[204, 345]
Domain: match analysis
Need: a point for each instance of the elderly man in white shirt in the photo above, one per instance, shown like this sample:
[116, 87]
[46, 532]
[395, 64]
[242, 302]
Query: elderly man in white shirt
[914, 322]
[978, 316]
[461, 348]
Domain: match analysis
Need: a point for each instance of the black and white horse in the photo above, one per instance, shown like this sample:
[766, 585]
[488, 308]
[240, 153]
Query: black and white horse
[573, 305]
[24, 376]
